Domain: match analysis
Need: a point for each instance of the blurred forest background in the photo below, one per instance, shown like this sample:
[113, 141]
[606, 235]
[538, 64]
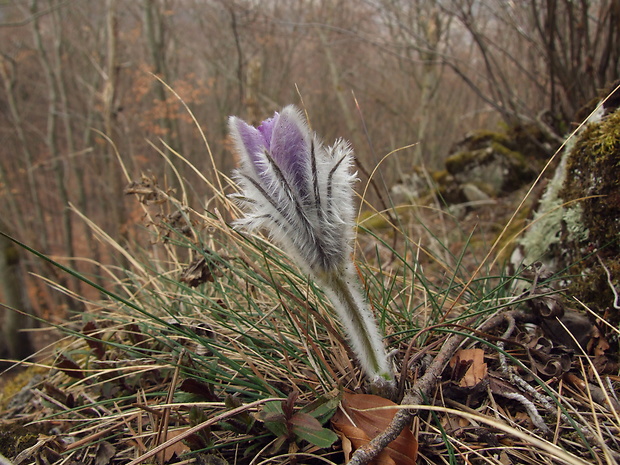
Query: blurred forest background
[77, 83]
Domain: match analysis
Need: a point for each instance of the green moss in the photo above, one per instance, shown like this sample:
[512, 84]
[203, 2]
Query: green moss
[491, 158]
[532, 142]
[593, 288]
[16, 438]
[591, 227]
[16, 383]
[593, 169]
[507, 152]
[459, 161]
[375, 221]
[482, 138]
[440, 177]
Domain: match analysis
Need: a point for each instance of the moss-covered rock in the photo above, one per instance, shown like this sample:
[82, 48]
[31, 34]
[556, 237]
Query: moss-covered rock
[485, 164]
[489, 161]
[411, 186]
[593, 171]
[607, 100]
[576, 227]
[591, 227]
[536, 145]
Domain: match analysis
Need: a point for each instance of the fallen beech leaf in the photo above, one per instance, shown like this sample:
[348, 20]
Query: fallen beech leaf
[105, 452]
[69, 367]
[177, 448]
[477, 369]
[572, 330]
[597, 345]
[198, 272]
[94, 339]
[347, 446]
[204, 390]
[357, 421]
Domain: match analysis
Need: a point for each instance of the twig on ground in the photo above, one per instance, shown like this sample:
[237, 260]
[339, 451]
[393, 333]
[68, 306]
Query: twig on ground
[407, 360]
[416, 395]
[423, 388]
[530, 408]
[616, 303]
[527, 404]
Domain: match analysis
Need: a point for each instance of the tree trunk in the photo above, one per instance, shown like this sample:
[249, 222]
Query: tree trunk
[15, 344]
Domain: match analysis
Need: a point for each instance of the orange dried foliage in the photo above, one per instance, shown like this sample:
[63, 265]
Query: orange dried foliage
[358, 421]
[477, 369]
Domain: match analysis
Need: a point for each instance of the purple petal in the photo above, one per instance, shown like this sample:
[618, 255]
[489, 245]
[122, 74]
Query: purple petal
[290, 146]
[250, 141]
[266, 128]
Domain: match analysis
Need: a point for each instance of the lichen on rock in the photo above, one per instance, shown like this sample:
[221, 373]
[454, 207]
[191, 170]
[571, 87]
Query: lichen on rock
[593, 174]
[575, 230]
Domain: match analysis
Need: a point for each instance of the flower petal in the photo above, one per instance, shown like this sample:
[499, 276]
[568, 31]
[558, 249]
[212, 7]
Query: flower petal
[290, 148]
[249, 142]
[266, 128]
[297, 189]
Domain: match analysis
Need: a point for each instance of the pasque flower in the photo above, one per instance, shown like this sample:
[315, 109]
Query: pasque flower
[301, 193]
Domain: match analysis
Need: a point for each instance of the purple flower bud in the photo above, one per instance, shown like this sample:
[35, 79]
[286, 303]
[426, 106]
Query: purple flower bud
[296, 189]
[302, 194]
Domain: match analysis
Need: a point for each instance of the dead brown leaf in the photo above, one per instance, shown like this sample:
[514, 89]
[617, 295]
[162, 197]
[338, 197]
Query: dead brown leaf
[476, 368]
[69, 367]
[105, 452]
[357, 422]
[177, 448]
[93, 339]
[572, 330]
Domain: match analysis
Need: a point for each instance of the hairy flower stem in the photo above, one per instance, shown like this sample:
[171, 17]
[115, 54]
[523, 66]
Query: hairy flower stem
[343, 289]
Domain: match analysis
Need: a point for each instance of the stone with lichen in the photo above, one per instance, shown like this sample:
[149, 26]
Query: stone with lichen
[593, 175]
[575, 230]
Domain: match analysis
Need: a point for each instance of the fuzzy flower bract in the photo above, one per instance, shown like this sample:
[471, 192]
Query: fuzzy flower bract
[296, 189]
